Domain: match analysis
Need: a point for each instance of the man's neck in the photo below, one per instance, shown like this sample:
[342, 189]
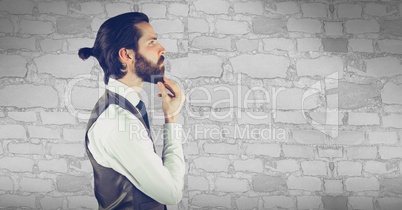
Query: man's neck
[133, 82]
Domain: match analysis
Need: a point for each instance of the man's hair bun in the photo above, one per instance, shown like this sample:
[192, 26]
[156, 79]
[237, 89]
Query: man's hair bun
[85, 52]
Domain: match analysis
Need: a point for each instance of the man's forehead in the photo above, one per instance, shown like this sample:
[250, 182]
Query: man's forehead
[146, 30]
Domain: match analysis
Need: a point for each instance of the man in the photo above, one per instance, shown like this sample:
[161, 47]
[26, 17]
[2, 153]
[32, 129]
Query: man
[128, 174]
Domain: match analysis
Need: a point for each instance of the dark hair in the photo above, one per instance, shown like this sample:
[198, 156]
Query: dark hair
[115, 33]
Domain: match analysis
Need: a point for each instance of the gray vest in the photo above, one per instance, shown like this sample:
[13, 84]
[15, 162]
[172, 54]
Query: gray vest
[112, 189]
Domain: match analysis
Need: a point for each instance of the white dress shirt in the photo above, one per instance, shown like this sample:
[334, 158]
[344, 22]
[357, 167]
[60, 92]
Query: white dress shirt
[119, 140]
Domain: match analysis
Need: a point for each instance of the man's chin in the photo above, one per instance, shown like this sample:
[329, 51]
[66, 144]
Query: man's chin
[156, 79]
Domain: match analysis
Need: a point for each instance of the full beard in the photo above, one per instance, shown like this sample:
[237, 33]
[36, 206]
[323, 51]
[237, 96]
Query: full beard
[149, 71]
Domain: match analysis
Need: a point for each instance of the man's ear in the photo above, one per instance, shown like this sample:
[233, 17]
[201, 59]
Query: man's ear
[126, 56]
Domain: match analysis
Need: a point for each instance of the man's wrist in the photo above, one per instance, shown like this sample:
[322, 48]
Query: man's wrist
[171, 119]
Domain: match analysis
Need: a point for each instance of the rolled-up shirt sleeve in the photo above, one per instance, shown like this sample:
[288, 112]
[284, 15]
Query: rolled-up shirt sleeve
[131, 154]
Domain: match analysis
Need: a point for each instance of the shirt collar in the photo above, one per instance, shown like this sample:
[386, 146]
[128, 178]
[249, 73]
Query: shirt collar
[120, 88]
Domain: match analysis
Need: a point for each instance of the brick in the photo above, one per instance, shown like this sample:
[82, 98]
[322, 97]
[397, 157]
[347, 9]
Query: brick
[246, 45]
[389, 203]
[287, 165]
[169, 44]
[75, 44]
[347, 168]
[378, 137]
[58, 118]
[220, 6]
[197, 183]
[247, 202]
[390, 46]
[388, 152]
[252, 165]
[278, 44]
[362, 203]
[51, 45]
[333, 186]
[51, 202]
[254, 8]
[9, 200]
[198, 65]
[308, 202]
[53, 165]
[314, 10]
[314, 168]
[54, 7]
[265, 183]
[359, 184]
[71, 25]
[23, 6]
[278, 202]
[24, 96]
[265, 25]
[35, 185]
[16, 164]
[392, 120]
[333, 28]
[25, 148]
[36, 27]
[304, 25]
[361, 96]
[292, 98]
[231, 185]
[308, 44]
[84, 98]
[207, 200]
[203, 42]
[231, 27]
[43, 132]
[23, 116]
[350, 11]
[221, 148]
[327, 118]
[74, 135]
[271, 150]
[6, 26]
[69, 183]
[253, 118]
[12, 132]
[212, 164]
[287, 7]
[260, 65]
[84, 166]
[76, 150]
[6, 183]
[154, 10]
[361, 153]
[391, 27]
[72, 67]
[191, 148]
[361, 45]
[304, 183]
[349, 138]
[309, 136]
[13, 66]
[197, 25]
[114, 9]
[335, 45]
[298, 151]
[82, 201]
[375, 167]
[328, 65]
[363, 118]
[16, 43]
[375, 67]
[362, 26]
[375, 9]
[96, 23]
[178, 9]
[335, 202]
[330, 153]
[91, 8]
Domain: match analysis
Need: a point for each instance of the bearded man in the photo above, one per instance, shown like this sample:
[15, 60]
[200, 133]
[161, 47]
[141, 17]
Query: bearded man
[128, 174]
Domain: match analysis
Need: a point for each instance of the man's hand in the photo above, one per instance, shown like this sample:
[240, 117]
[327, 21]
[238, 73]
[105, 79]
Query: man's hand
[171, 103]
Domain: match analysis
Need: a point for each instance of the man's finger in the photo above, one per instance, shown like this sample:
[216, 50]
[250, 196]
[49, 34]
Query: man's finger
[162, 88]
[172, 86]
